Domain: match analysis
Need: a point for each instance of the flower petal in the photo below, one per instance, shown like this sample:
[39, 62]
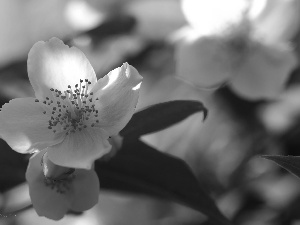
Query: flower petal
[264, 72]
[46, 201]
[277, 21]
[225, 14]
[80, 149]
[205, 61]
[24, 126]
[55, 65]
[85, 190]
[117, 94]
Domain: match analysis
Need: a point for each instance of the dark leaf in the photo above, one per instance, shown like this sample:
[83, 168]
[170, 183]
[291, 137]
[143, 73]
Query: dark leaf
[138, 168]
[290, 163]
[12, 166]
[160, 116]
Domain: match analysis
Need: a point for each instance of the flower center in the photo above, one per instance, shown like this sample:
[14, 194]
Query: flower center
[56, 177]
[72, 110]
[60, 186]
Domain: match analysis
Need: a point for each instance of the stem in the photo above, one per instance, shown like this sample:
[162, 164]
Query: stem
[6, 215]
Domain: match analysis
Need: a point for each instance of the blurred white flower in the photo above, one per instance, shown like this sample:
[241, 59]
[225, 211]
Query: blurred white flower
[73, 114]
[230, 47]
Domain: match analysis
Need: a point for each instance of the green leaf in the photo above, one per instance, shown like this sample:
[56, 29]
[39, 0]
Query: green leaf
[160, 116]
[138, 168]
[290, 163]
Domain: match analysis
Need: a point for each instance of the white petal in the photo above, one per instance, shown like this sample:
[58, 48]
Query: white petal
[24, 126]
[214, 16]
[264, 72]
[55, 65]
[85, 190]
[118, 94]
[277, 21]
[80, 149]
[204, 61]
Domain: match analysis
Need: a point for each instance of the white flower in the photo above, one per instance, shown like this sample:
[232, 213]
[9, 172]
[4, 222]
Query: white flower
[234, 50]
[73, 114]
[55, 190]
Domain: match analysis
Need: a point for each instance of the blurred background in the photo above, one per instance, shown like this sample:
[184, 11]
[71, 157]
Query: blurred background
[239, 57]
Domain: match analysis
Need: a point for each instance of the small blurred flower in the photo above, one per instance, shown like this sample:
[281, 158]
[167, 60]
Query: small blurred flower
[55, 190]
[73, 115]
[234, 49]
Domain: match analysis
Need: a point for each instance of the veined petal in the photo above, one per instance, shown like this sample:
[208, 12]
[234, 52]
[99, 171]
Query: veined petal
[264, 72]
[46, 201]
[24, 126]
[86, 189]
[116, 96]
[205, 61]
[80, 149]
[55, 65]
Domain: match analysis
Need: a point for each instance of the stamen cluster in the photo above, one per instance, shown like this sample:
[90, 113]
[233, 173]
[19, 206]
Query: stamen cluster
[72, 110]
[60, 186]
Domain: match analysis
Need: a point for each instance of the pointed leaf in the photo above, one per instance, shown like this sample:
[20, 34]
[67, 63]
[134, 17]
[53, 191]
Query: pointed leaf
[138, 168]
[290, 163]
[160, 116]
